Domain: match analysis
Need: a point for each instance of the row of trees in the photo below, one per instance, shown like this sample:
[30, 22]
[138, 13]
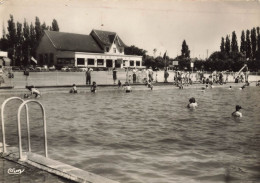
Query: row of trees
[21, 40]
[249, 44]
[230, 57]
[159, 61]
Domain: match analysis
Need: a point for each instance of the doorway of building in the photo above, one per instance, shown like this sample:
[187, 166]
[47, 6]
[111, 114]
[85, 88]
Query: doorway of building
[118, 63]
[109, 63]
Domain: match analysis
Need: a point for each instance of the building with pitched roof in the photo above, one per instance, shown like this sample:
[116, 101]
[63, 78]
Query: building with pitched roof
[102, 49]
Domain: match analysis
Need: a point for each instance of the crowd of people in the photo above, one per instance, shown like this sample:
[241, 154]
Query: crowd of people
[180, 79]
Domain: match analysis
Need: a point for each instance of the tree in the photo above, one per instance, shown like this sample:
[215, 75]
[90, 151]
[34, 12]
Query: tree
[253, 42]
[32, 42]
[185, 52]
[38, 29]
[3, 31]
[3, 40]
[149, 61]
[26, 43]
[243, 43]
[258, 38]
[222, 46]
[19, 43]
[55, 26]
[44, 27]
[258, 48]
[227, 45]
[234, 46]
[133, 50]
[11, 38]
[248, 45]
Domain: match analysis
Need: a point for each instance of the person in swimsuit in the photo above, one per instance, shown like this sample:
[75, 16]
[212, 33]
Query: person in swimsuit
[128, 88]
[93, 88]
[34, 91]
[236, 113]
[73, 89]
[192, 104]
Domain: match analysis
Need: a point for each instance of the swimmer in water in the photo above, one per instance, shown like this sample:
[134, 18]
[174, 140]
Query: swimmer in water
[128, 88]
[73, 89]
[192, 103]
[34, 91]
[242, 87]
[93, 88]
[119, 84]
[149, 84]
[236, 113]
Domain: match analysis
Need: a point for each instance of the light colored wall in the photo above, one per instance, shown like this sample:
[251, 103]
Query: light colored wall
[117, 47]
[107, 57]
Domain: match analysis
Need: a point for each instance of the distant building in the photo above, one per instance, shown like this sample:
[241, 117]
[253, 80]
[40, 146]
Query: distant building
[99, 49]
[4, 60]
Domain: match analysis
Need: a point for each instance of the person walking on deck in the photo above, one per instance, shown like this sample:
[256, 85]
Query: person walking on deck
[114, 75]
[88, 76]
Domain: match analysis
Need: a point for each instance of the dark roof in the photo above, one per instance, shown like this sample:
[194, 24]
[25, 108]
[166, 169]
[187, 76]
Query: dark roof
[107, 37]
[73, 42]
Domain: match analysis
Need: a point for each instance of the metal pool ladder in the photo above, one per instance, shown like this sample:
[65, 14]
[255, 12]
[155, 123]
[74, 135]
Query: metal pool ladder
[24, 103]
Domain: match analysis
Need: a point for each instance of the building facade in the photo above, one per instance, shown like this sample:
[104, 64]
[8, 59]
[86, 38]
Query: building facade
[102, 49]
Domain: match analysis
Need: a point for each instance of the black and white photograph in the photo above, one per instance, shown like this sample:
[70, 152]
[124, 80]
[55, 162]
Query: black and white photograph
[130, 91]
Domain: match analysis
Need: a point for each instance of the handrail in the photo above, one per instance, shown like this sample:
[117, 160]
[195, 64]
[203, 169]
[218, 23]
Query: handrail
[19, 126]
[3, 122]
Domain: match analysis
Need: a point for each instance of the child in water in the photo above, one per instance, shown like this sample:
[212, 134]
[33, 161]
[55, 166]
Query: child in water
[192, 103]
[149, 84]
[242, 87]
[34, 91]
[236, 113]
[93, 88]
[128, 88]
[119, 84]
[73, 89]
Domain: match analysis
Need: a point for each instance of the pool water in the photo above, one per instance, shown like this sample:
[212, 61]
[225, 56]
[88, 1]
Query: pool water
[150, 136]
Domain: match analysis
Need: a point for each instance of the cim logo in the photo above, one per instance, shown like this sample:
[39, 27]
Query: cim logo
[15, 171]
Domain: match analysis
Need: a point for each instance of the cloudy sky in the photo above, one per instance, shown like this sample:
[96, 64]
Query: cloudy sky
[147, 24]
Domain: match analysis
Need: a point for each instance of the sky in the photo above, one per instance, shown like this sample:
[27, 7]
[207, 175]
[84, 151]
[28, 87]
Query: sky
[147, 24]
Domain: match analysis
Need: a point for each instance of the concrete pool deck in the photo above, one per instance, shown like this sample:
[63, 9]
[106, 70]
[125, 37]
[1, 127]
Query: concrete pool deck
[57, 171]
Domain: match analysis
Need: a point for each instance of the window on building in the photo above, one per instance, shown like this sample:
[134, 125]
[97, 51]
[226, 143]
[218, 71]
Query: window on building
[114, 50]
[137, 63]
[100, 62]
[51, 59]
[109, 63]
[121, 50]
[132, 63]
[118, 62]
[66, 61]
[80, 61]
[107, 49]
[91, 61]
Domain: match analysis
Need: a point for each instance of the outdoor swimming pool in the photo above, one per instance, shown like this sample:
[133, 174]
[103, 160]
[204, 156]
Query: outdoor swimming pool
[150, 136]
